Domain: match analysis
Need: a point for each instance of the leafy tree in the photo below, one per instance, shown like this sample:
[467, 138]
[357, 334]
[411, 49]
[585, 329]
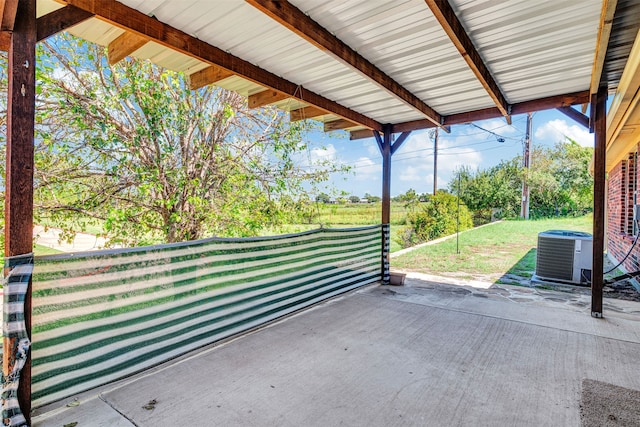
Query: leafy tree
[497, 187]
[131, 146]
[559, 180]
[372, 199]
[354, 199]
[438, 217]
[323, 198]
[410, 199]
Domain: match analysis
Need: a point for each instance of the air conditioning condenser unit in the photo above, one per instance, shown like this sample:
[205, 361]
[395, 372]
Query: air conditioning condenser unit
[565, 256]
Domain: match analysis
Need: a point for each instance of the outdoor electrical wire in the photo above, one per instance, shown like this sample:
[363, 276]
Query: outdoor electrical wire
[628, 253]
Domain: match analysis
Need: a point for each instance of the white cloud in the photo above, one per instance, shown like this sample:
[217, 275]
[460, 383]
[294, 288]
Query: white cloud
[557, 129]
[414, 160]
[372, 148]
[323, 153]
[367, 170]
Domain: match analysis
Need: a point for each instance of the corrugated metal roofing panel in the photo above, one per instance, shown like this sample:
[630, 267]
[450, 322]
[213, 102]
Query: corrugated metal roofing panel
[521, 42]
[243, 86]
[96, 31]
[406, 42]
[170, 59]
[533, 49]
[626, 22]
[102, 33]
[242, 30]
[44, 7]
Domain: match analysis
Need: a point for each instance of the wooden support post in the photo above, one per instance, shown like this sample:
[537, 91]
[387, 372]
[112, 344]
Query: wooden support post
[384, 144]
[19, 173]
[599, 106]
[386, 176]
[435, 162]
[387, 150]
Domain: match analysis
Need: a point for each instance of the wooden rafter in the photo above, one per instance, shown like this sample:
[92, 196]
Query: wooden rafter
[604, 32]
[5, 40]
[295, 20]
[575, 115]
[306, 113]
[210, 75]
[135, 21]
[338, 125]
[363, 133]
[51, 23]
[266, 97]
[492, 113]
[124, 45]
[447, 18]
[8, 9]
[59, 20]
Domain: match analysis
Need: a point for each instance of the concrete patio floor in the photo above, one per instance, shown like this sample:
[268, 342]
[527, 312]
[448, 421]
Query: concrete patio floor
[424, 354]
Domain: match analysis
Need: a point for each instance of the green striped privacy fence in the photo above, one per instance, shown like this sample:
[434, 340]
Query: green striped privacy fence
[105, 315]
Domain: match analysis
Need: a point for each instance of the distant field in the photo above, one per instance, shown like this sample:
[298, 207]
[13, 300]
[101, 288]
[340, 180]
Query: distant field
[327, 215]
[359, 213]
[347, 216]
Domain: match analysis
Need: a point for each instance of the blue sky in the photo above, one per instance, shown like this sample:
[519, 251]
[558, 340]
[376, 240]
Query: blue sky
[466, 145]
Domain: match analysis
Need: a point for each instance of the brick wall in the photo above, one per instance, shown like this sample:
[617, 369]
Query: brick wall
[623, 179]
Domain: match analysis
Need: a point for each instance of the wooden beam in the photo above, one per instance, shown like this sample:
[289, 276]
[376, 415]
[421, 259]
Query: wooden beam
[547, 103]
[363, 133]
[59, 20]
[266, 97]
[8, 11]
[5, 40]
[124, 46]
[575, 115]
[132, 20]
[444, 14]
[18, 227]
[307, 113]
[602, 43]
[295, 20]
[210, 75]
[550, 102]
[338, 125]
[599, 204]
[399, 141]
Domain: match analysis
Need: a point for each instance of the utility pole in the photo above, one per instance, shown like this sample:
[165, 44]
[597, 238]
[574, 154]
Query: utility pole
[524, 211]
[435, 162]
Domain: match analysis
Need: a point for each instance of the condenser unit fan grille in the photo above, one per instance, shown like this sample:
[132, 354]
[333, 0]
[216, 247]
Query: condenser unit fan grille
[555, 258]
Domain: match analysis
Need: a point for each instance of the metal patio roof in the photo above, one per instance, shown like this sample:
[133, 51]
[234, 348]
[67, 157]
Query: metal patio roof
[366, 63]
[361, 65]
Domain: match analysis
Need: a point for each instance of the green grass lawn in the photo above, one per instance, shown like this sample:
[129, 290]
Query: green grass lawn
[45, 250]
[489, 252]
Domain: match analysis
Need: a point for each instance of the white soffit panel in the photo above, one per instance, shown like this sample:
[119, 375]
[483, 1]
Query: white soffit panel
[44, 7]
[404, 40]
[534, 48]
[96, 31]
[243, 31]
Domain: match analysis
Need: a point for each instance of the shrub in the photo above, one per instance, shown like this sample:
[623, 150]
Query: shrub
[437, 218]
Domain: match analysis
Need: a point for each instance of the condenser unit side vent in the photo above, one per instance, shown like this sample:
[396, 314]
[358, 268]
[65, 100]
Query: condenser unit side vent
[555, 258]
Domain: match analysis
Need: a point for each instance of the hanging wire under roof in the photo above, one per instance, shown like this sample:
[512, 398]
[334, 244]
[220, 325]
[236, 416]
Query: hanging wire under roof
[499, 137]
